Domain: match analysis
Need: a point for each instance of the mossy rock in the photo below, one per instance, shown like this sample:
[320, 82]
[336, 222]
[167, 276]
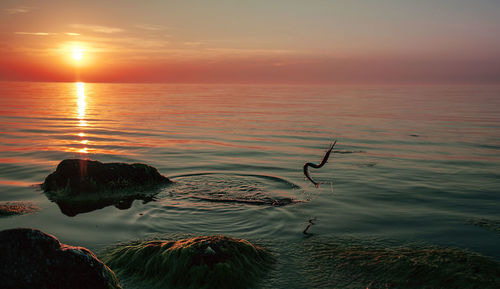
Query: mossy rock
[17, 208]
[32, 259]
[79, 186]
[338, 265]
[200, 262]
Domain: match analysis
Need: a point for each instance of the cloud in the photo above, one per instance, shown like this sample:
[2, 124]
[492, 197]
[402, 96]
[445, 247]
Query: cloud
[151, 27]
[72, 34]
[35, 33]
[253, 52]
[19, 9]
[192, 43]
[97, 28]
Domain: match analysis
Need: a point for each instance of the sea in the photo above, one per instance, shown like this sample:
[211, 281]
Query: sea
[411, 164]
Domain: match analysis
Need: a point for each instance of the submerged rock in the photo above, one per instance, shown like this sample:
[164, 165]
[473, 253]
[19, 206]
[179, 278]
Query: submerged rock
[33, 259]
[79, 186]
[17, 208]
[488, 224]
[200, 262]
[336, 264]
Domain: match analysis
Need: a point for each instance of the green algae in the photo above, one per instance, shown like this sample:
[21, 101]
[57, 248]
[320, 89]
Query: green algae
[199, 262]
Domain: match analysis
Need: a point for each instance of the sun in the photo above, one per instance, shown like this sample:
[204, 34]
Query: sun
[77, 53]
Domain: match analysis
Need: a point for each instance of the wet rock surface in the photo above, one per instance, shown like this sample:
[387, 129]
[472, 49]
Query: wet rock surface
[32, 259]
[199, 262]
[80, 186]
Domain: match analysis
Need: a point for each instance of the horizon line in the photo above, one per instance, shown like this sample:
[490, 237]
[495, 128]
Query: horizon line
[263, 83]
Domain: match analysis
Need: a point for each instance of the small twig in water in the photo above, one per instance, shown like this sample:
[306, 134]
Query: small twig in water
[309, 225]
[323, 162]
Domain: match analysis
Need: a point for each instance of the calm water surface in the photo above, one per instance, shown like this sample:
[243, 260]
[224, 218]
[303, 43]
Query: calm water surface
[413, 164]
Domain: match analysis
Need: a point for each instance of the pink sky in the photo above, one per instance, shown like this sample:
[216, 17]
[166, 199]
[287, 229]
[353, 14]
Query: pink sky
[304, 42]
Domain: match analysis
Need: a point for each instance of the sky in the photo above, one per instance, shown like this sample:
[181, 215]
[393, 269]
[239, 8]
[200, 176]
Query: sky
[271, 41]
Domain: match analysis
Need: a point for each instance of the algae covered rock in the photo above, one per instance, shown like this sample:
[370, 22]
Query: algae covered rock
[32, 259]
[79, 186]
[17, 208]
[200, 262]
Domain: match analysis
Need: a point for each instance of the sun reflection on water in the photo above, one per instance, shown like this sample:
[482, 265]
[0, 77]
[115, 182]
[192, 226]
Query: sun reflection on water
[80, 92]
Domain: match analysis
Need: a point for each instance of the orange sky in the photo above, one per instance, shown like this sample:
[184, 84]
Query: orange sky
[293, 41]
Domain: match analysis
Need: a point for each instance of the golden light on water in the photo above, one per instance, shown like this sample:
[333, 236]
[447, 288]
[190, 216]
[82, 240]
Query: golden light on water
[80, 93]
[83, 151]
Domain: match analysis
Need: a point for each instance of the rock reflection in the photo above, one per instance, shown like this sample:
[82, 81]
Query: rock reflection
[74, 207]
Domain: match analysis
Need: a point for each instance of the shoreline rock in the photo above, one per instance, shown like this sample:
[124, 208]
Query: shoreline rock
[33, 259]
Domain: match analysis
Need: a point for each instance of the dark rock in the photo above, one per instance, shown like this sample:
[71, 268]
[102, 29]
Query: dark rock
[17, 208]
[76, 176]
[32, 259]
[200, 262]
[79, 186]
